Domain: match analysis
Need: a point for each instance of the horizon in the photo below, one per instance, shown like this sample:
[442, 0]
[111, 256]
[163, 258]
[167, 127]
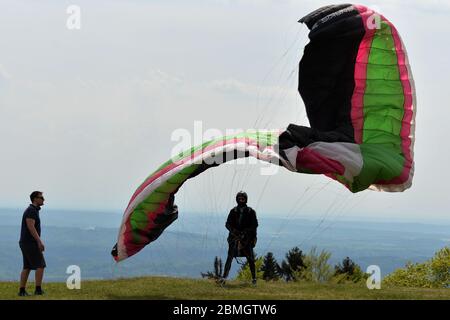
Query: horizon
[269, 215]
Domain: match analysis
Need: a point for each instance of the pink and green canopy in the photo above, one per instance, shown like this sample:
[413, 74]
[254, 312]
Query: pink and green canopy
[357, 87]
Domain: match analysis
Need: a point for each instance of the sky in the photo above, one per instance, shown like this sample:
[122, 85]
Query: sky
[86, 114]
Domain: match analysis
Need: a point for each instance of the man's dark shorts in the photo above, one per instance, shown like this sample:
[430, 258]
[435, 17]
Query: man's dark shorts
[32, 257]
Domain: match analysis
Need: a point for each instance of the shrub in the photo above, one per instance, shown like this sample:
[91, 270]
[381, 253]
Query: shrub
[434, 273]
[316, 268]
[245, 274]
[217, 274]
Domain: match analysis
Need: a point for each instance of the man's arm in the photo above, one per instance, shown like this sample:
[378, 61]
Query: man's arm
[30, 225]
[254, 223]
[229, 225]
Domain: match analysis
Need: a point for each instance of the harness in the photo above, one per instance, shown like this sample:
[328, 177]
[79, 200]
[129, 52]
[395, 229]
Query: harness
[241, 243]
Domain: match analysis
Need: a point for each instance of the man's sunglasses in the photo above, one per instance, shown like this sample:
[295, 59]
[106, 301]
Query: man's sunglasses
[40, 197]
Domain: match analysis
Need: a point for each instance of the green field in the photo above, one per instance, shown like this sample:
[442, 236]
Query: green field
[178, 288]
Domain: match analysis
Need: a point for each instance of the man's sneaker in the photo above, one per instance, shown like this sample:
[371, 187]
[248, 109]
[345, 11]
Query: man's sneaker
[254, 281]
[23, 294]
[38, 292]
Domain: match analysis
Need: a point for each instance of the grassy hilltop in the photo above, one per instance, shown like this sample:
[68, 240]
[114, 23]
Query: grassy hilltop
[179, 288]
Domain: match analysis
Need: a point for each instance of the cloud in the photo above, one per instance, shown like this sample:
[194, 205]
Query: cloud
[3, 73]
[436, 6]
[236, 87]
[233, 86]
[4, 78]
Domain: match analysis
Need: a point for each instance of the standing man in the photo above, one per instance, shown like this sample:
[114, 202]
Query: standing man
[241, 224]
[31, 244]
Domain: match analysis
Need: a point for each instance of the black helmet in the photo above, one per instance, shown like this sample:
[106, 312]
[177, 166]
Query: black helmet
[241, 194]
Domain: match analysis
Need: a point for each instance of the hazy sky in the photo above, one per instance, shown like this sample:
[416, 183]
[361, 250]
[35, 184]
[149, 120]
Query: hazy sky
[86, 115]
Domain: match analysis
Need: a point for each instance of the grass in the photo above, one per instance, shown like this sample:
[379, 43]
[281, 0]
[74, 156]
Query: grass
[200, 289]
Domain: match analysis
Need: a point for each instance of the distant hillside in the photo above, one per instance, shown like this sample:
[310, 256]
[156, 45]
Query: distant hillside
[178, 288]
[190, 244]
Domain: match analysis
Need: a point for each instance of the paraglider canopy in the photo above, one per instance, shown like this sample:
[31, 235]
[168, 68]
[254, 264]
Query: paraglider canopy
[357, 87]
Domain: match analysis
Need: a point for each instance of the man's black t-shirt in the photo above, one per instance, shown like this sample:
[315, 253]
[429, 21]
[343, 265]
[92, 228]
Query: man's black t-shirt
[32, 212]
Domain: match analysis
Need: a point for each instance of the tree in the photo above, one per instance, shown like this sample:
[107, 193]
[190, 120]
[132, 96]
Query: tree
[348, 271]
[347, 267]
[434, 273]
[292, 267]
[217, 274]
[270, 268]
[440, 268]
[317, 268]
[245, 274]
